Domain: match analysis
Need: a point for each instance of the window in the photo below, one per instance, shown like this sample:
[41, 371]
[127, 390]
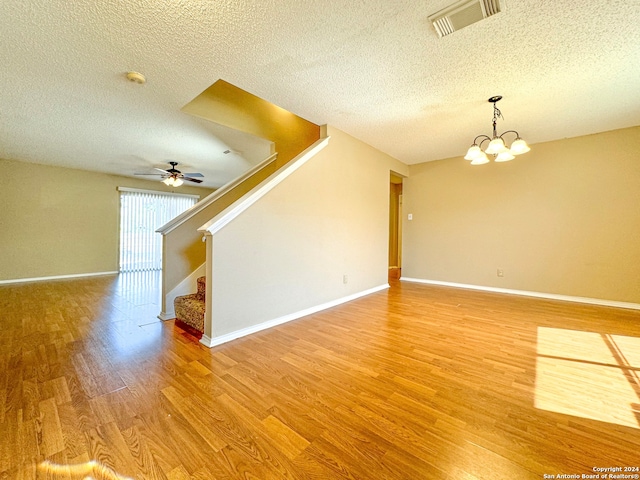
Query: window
[141, 213]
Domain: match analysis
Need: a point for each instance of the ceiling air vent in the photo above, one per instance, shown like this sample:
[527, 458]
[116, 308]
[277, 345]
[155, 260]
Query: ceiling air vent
[463, 13]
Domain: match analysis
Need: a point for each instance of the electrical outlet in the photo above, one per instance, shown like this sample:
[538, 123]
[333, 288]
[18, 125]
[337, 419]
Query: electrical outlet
[345, 279]
[410, 216]
[500, 272]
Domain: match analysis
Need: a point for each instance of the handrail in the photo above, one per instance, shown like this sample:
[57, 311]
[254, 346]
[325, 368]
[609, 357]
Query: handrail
[208, 200]
[231, 212]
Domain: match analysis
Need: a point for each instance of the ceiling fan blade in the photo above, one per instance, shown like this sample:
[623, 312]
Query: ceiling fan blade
[159, 174]
[189, 179]
[193, 175]
[160, 170]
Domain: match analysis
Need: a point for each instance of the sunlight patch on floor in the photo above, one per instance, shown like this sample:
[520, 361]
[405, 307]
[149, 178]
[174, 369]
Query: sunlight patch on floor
[131, 316]
[89, 470]
[589, 375]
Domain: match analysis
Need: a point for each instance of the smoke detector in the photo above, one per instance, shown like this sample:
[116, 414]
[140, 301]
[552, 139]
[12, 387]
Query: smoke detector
[462, 14]
[136, 77]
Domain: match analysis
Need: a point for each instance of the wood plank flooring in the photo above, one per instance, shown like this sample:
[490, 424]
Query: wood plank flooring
[417, 382]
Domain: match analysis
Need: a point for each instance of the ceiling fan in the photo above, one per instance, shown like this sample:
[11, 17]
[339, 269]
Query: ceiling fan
[174, 177]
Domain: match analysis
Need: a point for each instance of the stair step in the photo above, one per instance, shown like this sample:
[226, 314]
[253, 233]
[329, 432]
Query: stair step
[202, 287]
[190, 308]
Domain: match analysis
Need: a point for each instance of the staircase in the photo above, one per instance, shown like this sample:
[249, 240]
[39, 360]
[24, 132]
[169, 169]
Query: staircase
[183, 253]
[190, 310]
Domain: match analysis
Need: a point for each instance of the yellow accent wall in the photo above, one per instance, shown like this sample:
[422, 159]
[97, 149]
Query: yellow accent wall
[233, 107]
[561, 219]
[61, 221]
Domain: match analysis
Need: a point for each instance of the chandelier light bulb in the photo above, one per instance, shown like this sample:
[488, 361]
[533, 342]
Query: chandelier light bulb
[519, 146]
[480, 160]
[473, 152]
[495, 146]
[504, 156]
[177, 182]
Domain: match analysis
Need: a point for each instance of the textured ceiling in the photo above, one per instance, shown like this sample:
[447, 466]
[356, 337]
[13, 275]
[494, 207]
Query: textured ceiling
[373, 68]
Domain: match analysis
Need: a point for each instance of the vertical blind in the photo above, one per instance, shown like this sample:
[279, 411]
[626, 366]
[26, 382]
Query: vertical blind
[141, 213]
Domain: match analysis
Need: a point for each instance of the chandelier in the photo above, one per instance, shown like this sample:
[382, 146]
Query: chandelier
[496, 146]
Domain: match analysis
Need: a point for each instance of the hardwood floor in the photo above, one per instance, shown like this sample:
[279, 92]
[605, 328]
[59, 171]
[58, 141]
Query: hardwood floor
[417, 382]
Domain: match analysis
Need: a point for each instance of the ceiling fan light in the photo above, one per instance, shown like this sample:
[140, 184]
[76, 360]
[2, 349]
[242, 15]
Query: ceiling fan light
[473, 152]
[504, 156]
[480, 160]
[168, 181]
[495, 146]
[519, 146]
[177, 182]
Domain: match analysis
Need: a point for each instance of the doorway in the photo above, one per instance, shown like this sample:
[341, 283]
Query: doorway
[395, 226]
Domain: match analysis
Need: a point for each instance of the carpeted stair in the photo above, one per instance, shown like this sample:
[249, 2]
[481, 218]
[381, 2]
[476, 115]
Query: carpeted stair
[190, 310]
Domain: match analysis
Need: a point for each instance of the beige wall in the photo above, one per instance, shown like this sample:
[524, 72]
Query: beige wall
[61, 221]
[289, 251]
[562, 219]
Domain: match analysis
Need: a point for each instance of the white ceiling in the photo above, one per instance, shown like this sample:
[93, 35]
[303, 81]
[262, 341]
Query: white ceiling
[373, 68]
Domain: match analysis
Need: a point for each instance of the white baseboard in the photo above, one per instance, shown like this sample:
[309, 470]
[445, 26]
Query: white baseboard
[55, 277]
[549, 296]
[212, 342]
